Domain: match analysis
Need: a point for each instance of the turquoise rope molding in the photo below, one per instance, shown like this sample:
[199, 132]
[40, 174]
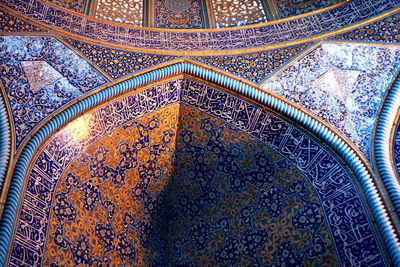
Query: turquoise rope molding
[5, 142]
[383, 134]
[370, 191]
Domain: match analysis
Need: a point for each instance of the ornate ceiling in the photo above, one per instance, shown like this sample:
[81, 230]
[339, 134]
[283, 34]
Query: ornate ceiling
[200, 132]
[193, 14]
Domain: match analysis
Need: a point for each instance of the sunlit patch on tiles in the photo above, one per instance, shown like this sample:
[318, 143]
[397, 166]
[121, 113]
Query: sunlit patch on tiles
[40, 75]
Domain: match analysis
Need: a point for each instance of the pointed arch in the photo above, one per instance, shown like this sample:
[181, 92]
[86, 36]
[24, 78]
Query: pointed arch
[342, 150]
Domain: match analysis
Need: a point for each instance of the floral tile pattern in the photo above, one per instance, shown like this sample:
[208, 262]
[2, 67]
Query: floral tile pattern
[256, 66]
[11, 23]
[386, 30]
[343, 84]
[184, 180]
[118, 63]
[40, 75]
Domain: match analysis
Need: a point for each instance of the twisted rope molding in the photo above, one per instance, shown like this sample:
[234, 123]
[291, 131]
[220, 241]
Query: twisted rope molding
[5, 142]
[377, 207]
[383, 151]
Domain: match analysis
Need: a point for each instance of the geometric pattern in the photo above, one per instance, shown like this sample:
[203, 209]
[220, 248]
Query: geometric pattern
[343, 84]
[256, 66]
[40, 75]
[122, 11]
[242, 187]
[230, 13]
[117, 63]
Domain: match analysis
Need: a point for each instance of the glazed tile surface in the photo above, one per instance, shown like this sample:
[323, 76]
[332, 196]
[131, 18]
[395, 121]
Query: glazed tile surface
[11, 23]
[118, 63]
[227, 176]
[40, 75]
[386, 30]
[304, 27]
[256, 66]
[343, 84]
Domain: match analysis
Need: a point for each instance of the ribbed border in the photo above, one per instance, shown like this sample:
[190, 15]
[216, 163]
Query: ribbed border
[5, 142]
[334, 141]
[382, 148]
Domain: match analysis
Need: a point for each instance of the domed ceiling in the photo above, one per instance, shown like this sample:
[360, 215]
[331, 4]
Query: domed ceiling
[193, 14]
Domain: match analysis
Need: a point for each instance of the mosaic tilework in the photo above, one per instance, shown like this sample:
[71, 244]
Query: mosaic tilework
[11, 23]
[65, 147]
[299, 28]
[297, 173]
[147, 213]
[39, 75]
[255, 67]
[75, 5]
[118, 63]
[386, 30]
[291, 8]
[112, 194]
[238, 12]
[396, 149]
[231, 194]
[343, 84]
[178, 14]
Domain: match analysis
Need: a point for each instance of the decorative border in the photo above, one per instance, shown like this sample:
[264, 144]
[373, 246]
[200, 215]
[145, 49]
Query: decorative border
[5, 143]
[360, 169]
[382, 143]
[294, 30]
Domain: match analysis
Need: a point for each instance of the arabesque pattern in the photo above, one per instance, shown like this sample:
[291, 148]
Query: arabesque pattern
[11, 23]
[342, 83]
[256, 66]
[386, 30]
[337, 18]
[117, 63]
[269, 174]
[40, 75]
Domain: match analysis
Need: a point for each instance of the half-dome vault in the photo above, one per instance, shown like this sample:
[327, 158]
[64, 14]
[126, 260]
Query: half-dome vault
[184, 173]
